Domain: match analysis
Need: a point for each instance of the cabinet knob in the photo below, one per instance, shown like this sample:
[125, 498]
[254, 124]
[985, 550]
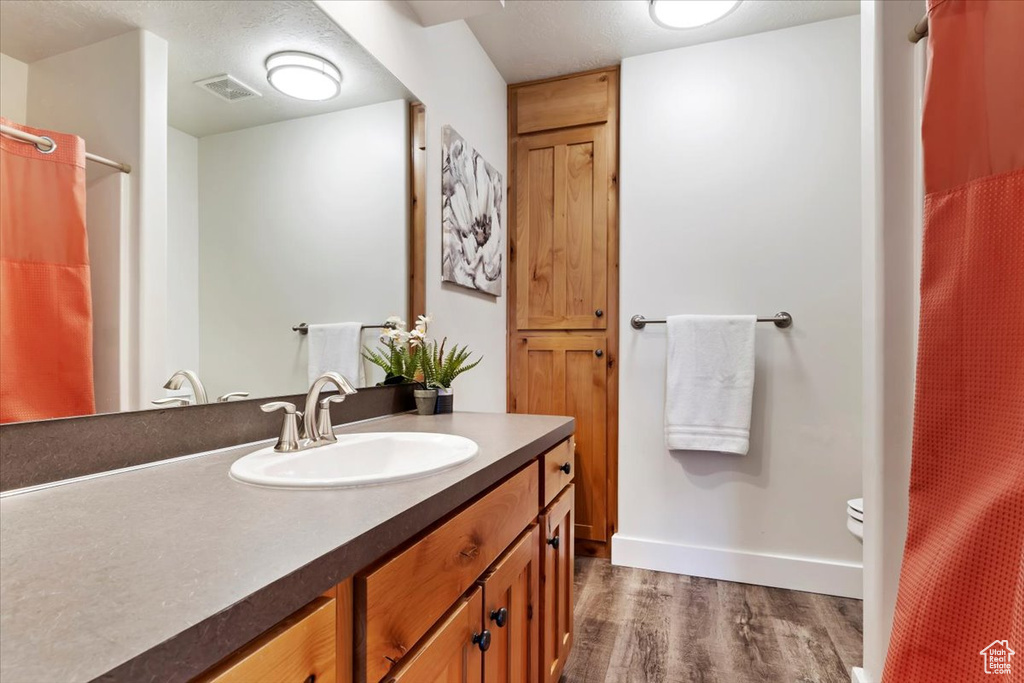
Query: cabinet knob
[482, 640]
[553, 542]
[599, 313]
[567, 468]
[599, 353]
[499, 617]
[311, 678]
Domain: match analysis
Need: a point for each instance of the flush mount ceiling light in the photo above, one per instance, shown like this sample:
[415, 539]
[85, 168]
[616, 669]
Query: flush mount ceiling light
[690, 13]
[303, 76]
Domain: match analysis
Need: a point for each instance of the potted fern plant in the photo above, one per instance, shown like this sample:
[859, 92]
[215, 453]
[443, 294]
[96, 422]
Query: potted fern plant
[399, 358]
[440, 369]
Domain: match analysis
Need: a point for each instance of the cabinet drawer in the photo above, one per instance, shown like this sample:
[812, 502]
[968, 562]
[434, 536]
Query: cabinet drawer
[300, 647]
[398, 602]
[554, 478]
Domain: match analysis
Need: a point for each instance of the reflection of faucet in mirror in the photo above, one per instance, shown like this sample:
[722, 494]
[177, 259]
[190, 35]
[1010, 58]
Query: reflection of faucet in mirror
[232, 394]
[182, 376]
[317, 428]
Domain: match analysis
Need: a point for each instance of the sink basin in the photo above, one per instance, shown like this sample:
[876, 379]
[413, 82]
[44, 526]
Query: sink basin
[356, 460]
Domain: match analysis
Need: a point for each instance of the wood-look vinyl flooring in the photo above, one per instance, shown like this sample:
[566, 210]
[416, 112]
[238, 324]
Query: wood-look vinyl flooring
[639, 626]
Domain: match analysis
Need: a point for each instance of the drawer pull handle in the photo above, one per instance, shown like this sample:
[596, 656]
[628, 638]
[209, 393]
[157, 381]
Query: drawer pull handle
[599, 313]
[311, 678]
[567, 468]
[482, 640]
[553, 542]
[499, 617]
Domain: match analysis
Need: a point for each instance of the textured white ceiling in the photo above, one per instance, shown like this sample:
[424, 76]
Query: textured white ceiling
[532, 39]
[207, 38]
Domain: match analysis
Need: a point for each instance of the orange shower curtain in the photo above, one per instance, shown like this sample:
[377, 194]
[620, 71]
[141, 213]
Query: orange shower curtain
[45, 299]
[962, 581]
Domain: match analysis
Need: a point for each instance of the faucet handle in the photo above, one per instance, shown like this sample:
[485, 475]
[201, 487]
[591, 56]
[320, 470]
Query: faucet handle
[324, 428]
[289, 437]
[232, 394]
[289, 408]
[172, 401]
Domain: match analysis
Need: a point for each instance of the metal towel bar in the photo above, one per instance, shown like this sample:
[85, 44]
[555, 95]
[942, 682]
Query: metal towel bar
[782, 319]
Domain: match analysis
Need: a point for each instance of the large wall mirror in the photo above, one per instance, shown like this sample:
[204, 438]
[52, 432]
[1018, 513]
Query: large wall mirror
[245, 205]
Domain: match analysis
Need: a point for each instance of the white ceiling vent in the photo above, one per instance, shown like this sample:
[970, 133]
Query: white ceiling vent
[227, 88]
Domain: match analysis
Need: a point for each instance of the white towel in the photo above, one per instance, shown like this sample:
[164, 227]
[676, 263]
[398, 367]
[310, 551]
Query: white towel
[336, 348]
[709, 382]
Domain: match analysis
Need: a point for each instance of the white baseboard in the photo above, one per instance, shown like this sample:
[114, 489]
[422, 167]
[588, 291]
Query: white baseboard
[779, 571]
[857, 675]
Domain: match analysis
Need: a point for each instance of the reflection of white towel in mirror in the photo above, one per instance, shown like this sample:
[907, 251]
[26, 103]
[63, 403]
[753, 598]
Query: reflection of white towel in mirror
[336, 348]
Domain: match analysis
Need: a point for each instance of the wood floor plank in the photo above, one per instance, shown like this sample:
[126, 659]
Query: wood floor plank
[638, 626]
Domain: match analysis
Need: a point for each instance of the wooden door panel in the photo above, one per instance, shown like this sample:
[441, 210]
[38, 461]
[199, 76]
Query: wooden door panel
[556, 603]
[513, 585]
[538, 268]
[564, 376]
[561, 233]
[448, 654]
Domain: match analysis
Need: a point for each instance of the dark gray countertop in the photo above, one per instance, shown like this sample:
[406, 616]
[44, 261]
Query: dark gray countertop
[156, 574]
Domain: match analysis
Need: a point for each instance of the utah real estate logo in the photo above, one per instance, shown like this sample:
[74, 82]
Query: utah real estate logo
[997, 657]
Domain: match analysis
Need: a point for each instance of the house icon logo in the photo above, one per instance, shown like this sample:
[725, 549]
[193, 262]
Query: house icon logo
[997, 657]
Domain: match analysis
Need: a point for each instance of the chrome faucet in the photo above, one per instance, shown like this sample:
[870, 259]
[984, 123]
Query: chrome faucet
[316, 419]
[179, 378]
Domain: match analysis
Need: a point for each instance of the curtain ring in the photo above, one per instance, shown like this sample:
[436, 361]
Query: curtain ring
[53, 146]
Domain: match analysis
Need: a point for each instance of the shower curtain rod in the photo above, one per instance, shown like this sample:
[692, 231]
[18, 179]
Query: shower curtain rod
[46, 145]
[919, 31]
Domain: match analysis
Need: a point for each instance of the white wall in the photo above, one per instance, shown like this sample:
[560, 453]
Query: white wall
[114, 95]
[892, 77]
[299, 221]
[447, 69]
[13, 89]
[740, 193]
[182, 252]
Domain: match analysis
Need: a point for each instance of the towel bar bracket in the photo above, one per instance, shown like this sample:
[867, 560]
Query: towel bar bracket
[782, 320]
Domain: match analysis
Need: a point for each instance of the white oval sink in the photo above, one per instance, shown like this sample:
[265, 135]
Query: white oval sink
[356, 460]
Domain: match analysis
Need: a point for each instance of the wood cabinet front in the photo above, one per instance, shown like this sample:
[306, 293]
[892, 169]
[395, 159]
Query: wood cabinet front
[511, 600]
[556, 603]
[451, 653]
[397, 602]
[561, 243]
[566, 375]
[299, 649]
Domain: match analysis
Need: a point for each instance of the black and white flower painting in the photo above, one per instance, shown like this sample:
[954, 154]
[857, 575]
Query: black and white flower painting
[471, 190]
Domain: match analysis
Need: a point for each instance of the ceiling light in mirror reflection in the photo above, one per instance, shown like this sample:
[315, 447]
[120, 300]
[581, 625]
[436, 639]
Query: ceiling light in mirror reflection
[690, 13]
[303, 76]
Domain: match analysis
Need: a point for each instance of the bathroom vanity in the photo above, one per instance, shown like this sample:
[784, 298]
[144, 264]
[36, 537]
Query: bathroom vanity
[177, 572]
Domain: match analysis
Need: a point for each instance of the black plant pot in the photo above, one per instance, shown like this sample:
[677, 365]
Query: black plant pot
[445, 401]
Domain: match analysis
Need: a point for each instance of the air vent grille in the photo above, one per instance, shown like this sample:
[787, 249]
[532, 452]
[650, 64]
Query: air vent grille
[227, 88]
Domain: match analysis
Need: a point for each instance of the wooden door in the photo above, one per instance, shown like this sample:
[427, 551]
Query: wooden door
[556, 603]
[451, 653]
[560, 247]
[567, 375]
[563, 284]
[511, 601]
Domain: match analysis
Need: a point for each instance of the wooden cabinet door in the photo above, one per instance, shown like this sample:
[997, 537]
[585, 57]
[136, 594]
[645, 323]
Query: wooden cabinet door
[511, 601]
[564, 375]
[556, 603]
[560, 241]
[448, 654]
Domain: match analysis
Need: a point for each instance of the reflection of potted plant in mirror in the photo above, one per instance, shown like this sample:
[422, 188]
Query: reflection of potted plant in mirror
[440, 369]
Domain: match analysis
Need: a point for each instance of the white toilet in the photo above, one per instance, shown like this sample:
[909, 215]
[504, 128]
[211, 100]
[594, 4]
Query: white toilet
[855, 517]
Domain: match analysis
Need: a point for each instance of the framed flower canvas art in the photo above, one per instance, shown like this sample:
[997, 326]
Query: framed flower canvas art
[472, 189]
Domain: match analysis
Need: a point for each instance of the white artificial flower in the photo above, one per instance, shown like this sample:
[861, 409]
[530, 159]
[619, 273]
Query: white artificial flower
[395, 321]
[417, 337]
